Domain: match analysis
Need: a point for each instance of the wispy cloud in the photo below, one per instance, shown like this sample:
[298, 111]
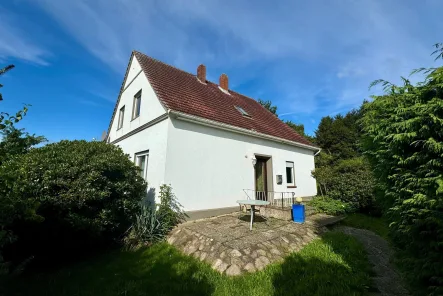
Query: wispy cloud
[310, 57]
[16, 43]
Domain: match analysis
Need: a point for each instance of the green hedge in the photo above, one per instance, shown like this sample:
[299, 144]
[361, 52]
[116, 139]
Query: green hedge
[81, 195]
[404, 141]
[327, 205]
[349, 180]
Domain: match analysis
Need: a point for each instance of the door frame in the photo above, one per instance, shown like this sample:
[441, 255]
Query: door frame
[269, 185]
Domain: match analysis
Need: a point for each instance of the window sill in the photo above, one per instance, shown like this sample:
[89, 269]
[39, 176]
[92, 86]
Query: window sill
[291, 186]
[135, 118]
[119, 128]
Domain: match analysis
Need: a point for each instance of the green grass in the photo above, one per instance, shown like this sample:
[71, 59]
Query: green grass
[336, 264]
[375, 224]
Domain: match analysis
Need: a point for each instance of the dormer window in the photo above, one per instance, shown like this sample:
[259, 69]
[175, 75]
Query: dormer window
[242, 111]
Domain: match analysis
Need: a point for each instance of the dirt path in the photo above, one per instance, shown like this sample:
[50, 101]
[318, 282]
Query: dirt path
[387, 280]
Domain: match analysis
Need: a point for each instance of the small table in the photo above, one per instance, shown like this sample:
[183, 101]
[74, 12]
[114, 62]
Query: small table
[253, 203]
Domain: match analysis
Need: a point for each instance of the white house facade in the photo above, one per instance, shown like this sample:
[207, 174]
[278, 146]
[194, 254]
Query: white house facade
[211, 144]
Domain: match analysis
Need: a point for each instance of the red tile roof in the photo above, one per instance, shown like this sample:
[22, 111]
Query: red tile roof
[183, 92]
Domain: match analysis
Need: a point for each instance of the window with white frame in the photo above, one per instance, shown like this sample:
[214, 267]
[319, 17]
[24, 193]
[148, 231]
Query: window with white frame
[121, 116]
[137, 104]
[290, 176]
[141, 160]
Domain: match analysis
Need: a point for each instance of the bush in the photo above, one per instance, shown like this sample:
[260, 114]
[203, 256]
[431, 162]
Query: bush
[149, 227]
[404, 142]
[169, 208]
[327, 205]
[85, 193]
[348, 180]
[152, 225]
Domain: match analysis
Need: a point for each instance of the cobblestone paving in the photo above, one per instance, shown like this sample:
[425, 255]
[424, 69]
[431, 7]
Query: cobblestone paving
[230, 247]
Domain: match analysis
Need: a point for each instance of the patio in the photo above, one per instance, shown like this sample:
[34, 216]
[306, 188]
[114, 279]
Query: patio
[230, 247]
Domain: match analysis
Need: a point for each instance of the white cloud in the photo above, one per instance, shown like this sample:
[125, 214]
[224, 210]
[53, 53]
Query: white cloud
[322, 54]
[16, 43]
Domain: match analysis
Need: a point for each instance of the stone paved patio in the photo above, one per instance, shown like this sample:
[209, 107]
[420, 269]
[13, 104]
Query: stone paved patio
[230, 247]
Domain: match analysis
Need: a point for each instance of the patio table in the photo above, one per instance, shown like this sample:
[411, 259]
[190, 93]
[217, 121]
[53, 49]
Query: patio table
[253, 203]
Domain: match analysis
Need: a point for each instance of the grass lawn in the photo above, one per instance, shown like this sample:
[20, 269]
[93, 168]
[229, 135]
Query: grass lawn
[336, 264]
[377, 225]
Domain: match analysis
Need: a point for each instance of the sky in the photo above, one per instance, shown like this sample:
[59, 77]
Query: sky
[310, 58]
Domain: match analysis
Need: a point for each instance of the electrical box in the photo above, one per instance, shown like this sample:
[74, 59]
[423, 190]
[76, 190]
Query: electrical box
[279, 179]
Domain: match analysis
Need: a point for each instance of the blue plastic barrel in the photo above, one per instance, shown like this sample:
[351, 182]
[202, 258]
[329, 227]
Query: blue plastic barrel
[298, 213]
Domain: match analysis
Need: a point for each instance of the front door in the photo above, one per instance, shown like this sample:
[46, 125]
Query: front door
[261, 187]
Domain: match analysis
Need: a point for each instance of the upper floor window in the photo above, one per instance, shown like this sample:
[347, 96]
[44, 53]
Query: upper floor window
[121, 116]
[137, 104]
[290, 176]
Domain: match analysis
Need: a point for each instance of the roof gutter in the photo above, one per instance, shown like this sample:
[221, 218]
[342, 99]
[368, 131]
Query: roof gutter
[203, 121]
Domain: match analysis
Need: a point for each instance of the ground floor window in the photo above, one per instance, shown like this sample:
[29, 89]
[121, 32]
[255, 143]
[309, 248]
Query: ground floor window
[290, 177]
[141, 160]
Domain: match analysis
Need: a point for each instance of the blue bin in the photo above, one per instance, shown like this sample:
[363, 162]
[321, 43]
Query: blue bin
[298, 213]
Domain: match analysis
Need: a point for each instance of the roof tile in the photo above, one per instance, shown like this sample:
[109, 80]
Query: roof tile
[183, 92]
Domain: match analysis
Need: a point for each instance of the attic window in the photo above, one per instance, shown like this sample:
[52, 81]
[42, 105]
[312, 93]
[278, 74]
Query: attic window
[242, 111]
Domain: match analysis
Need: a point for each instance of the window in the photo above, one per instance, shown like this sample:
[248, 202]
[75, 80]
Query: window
[141, 160]
[242, 111]
[121, 115]
[290, 177]
[136, 107]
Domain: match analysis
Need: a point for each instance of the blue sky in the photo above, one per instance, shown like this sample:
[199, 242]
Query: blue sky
[310, 58]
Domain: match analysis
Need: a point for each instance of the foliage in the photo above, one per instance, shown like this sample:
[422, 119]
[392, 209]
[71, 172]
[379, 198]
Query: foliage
[3, 71]
[300, 129]
[83, 194]
[13, 144]
[152, 225]
[348, 180]
[17, 142]
[7, 120]
[149, 227]
[339, 136]
[403, 140]
[169, 208]
[327, 205]
[336, 264]
[268, 105]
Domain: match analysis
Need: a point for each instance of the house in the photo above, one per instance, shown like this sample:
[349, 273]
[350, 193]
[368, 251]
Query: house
[213, 145]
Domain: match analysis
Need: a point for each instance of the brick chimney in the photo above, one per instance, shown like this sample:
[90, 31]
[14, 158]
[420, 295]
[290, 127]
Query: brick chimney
[201, 73]
[224, 81]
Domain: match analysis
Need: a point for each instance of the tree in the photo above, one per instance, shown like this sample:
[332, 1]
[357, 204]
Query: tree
[403, 140]
[17, 142]
[268, 105]
[340, 135]
[3, 71]
[300, 129]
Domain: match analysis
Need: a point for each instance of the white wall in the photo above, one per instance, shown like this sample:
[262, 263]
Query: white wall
[150, 106]
[153, 139]
[209, 168]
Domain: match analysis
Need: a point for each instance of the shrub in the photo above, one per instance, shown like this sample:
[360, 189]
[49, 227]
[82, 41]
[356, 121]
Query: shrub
[169, 208]
[86, 193]
[348, 180]
[404, 142]
[149, 227]
[327, 205]
[151, 224]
